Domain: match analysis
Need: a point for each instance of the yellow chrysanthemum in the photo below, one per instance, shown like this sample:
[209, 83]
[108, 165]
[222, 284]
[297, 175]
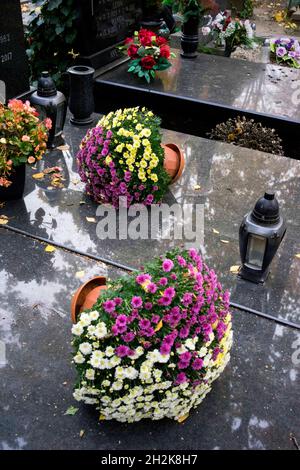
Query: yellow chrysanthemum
[146, 132]
[146, 143]
[119, 148]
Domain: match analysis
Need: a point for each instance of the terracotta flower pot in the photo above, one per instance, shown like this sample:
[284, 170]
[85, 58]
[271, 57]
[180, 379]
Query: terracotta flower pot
[86, 296]
[174, 161]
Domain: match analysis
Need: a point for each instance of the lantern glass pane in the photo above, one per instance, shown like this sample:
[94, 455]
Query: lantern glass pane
[59, 119]
[255, 251]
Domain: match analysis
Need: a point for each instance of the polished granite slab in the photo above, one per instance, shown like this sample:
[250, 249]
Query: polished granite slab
[252, 87]
[228, 181]
[253, 405]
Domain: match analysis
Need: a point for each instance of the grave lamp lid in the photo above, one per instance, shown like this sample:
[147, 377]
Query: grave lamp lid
[46, 86]
[266, 210]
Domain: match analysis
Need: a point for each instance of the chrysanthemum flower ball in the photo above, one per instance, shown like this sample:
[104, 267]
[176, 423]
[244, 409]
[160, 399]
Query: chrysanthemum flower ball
[155, 341]
[122, 157]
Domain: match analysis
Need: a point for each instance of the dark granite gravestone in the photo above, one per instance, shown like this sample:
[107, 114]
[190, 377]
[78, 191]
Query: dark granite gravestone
[14, 72]
[102, 25]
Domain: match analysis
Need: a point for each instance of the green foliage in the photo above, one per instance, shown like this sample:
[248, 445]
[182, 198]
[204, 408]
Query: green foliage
[191, 8]
[51, 37]
[247, 11]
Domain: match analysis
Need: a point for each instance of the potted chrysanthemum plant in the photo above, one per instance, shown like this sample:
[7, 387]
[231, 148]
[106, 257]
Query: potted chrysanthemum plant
[23, 139]
[153, 343]
[122, 157]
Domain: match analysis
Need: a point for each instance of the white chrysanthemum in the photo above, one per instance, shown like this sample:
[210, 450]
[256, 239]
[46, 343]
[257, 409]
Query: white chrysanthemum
[91, 401]
[118, 385]
[138, 353]
[94, 315]
[202, 352]
[91, 330]
[85, 348]
[90, 374]
[109, 351]
[164, 358]
[145, 376]
[115, 361]
[77, 329]
[98, 354]
[85, 319]
[77, 394]
[101, 330]
[191, 343]
[120, 373]
[131, 373]
[79, 358]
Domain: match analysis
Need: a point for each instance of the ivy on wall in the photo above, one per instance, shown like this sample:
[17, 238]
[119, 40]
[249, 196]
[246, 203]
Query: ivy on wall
[51, 37]
[247, 11]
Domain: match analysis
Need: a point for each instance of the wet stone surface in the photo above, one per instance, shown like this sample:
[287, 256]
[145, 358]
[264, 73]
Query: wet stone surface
[228, 181]
[253, 405]
[254, 87]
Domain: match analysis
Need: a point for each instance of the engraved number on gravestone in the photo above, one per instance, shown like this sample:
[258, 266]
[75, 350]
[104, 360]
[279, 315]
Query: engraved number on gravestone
[4, 41]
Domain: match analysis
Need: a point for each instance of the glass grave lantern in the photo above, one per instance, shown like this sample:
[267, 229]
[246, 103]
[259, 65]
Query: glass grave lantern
[52, 104]
[261, 233]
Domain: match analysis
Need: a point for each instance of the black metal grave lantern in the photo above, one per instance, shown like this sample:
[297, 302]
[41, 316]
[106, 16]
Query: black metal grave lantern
[261, 233]
[52, 104]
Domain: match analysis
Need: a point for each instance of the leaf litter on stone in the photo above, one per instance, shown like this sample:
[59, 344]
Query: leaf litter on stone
[3, 219]
[50, 249]
[71, 411]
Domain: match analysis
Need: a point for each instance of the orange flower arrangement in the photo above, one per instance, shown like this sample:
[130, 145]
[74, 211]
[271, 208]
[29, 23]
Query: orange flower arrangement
[23, 138]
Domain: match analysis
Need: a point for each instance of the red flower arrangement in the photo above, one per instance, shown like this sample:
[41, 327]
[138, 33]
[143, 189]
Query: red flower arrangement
[148, 53]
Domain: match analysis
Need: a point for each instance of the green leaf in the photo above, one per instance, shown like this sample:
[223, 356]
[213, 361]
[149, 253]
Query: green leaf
[141, 51]
[72, 410]
[54, 4]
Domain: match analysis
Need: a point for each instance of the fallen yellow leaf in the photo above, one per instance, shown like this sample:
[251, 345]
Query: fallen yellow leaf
[298, 255]
[91, 219]
[79, 274]
[50, 249]
[279, 16]
[102, 418]
[216, 231]
[183, 418]
[197, 187]
[159, 326]
[235, 269]
[38, 176]
[224, 241]
[3, 219]
[81, 434]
